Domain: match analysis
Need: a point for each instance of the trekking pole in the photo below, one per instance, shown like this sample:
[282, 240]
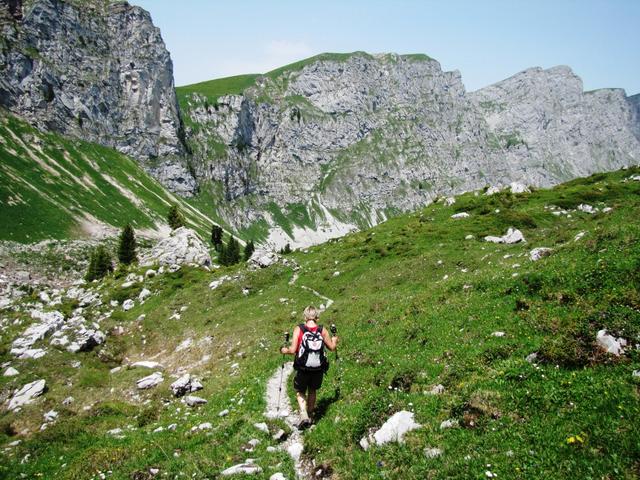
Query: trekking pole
[286, 341]
[334, 330]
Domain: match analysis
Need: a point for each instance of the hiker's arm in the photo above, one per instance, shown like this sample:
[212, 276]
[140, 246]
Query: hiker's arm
[291, 349]
[330, 342]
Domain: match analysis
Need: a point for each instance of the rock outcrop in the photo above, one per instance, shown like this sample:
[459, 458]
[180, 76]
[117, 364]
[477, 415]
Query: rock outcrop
[96, 70]
[182, 247]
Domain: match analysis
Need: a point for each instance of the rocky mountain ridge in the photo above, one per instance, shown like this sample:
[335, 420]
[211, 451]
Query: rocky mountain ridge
[349, 140]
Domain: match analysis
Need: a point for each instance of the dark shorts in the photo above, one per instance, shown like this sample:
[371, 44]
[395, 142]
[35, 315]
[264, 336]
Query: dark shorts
[307, 380]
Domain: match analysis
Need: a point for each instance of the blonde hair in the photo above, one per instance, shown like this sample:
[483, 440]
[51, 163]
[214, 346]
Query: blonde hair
[310, 313]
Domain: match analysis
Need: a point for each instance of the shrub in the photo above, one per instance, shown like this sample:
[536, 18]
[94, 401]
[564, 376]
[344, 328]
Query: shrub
[100, 264]
[175, 218]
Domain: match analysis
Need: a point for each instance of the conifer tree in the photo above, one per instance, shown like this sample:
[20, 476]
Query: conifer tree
[175, 218]
[223, 256]
[127, 247]
[233, 251]
[99, 265]
[286, 249]
[216, 236]
[249, 248]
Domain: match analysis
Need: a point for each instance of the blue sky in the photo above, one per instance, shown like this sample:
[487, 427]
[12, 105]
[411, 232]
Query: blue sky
[486, 40]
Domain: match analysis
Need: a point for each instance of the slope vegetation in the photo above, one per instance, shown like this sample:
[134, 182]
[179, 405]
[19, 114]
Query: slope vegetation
[419, 301]
[53, 187]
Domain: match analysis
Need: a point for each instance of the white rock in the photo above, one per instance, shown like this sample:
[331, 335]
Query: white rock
[295, 450]
[128, 284]
[68, 401]
[512, 236]
[436, 390]
[185, 384]
[184, 345]
[262, 258]
[498, 334]
[449, 201]
[223, 413]
[448, 424]
[532, 357]
[610, 344]
[432, 452]
[393, 430]
[262, 427]
[128, 305]
[516, 187]
[635, 373]
[50, 416]
[150, 381]
[193, 401]
[336, 273]
[583, 207]
[492, 190]
[34, 353]
[469, 237]
[182, 247]
[538, 253]
[144, 294]
[460, 215]
[148, 364]
[277, 476]
[204, 426]
[27, 394]
[607, 209]
[10, 372]
[578, 236]
[150, 273]
[247, 468]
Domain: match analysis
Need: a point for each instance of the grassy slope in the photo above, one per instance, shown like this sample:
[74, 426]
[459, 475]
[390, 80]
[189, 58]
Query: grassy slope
[47, 184]
[405, 328]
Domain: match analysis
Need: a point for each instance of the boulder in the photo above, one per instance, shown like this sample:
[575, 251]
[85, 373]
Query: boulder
[460, 215]
[263, 258]
[144, 294]
[263, 427]
[10, 372]
[128, 305]
[610, 344]
[48, 323]
[432, 452]
[449, 201]
[516, 187]
[150, 381]
[182, 247]
[393, 430]
[86, 339]
[492, 190]
[185, 384]
[27, 394]
[538, 253]
[586, 208]
[448, 424]
[512, 236]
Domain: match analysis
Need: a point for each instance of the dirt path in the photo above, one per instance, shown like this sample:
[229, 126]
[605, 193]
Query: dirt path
[279, 406]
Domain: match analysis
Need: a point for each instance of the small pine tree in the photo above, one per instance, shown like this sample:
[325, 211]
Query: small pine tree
[216, 237]
[249, 248]
[100, 264]
[127, 247]
[175, 218]
[233, 251]
[223, 257]
[286, 249]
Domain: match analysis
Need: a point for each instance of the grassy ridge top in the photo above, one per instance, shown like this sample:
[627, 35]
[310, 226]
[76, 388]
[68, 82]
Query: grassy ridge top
[212, 89]
[416, 304]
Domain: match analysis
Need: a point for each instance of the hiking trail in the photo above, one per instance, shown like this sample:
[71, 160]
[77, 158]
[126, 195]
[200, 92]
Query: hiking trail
[278, 406]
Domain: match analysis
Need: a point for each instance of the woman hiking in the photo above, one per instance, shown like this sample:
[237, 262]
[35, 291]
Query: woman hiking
[307, 344]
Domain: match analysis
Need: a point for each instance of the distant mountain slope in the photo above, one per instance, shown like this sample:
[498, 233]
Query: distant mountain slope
[52, 187]
[342, 141]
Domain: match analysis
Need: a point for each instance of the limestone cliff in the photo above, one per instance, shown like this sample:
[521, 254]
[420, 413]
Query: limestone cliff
[96, 70]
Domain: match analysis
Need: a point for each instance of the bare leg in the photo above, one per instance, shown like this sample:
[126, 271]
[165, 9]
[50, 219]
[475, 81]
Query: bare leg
[311, 401]
[302, 403]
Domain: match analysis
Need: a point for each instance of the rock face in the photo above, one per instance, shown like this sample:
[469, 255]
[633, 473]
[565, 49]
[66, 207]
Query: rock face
[183, 246]
[97, 70]
[349, 138]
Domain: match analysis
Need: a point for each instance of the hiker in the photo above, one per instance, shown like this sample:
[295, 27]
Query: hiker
[311, 363]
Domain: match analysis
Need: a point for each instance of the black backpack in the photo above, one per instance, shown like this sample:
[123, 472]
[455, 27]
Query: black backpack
[311, 355]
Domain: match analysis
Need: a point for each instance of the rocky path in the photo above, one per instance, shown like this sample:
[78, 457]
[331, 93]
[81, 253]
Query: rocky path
[279, 406]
